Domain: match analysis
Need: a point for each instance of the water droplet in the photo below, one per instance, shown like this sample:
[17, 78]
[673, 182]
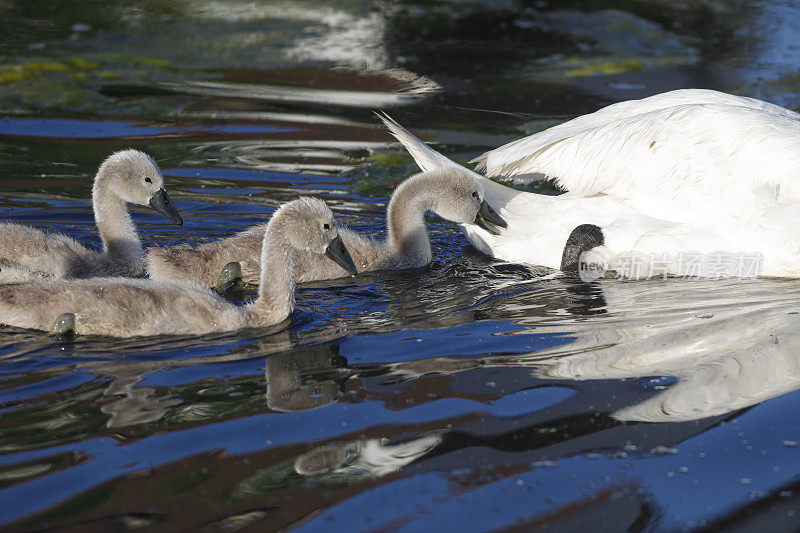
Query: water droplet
[790, 443]
[663, 450]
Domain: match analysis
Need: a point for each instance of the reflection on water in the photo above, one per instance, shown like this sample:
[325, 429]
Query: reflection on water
[728, 346]
[467, 394]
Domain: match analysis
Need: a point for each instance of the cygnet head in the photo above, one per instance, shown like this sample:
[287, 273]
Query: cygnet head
[460, 198]
[309, 225]
[134, 178]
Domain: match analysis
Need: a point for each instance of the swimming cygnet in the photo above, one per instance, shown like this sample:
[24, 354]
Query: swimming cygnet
[455, 196]
[125, 307]
[127, 176]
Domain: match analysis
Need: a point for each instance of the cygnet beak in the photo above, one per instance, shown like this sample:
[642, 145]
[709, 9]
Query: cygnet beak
[161, 203]
[339, 254]
[487, 218]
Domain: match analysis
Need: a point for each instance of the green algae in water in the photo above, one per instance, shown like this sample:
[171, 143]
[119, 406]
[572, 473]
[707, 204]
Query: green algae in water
[31, 69]
[136, 60]
[71, 83]
[81, 63]
[608, 68]
[620, 66]
[109, 75]
[612, 43]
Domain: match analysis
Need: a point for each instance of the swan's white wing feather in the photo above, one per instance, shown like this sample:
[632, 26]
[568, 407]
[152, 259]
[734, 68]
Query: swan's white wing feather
[674, 159]
[503, 160]
[427, 158]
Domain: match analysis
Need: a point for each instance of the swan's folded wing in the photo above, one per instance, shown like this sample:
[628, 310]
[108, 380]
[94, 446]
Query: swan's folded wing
[673, 158]
[504, 161]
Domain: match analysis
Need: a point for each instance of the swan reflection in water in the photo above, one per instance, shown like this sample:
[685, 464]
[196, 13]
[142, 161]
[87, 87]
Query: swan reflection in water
[365, 457]
[729, 344]
[725, 345]
[360, 458]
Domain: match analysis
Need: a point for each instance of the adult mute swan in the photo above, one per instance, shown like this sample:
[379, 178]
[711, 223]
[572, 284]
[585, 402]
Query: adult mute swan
[697, 181]
[127, 176]
[457, 197]
[123, 307]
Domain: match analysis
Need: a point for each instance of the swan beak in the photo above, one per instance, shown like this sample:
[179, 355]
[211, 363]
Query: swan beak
[487, 218]
[161, 203]
[339, 254]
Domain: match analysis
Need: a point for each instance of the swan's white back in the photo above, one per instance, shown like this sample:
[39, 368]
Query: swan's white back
[674, 156]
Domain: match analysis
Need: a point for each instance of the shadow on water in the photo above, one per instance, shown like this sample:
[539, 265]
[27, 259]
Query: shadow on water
[468, 394]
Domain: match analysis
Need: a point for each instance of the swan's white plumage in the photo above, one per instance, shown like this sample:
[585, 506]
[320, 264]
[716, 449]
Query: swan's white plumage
[684, 171]
[503, 160]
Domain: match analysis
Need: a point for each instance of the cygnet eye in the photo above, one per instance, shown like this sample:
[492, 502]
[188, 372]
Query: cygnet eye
[148, 180]
[326, 226]
[474, 194]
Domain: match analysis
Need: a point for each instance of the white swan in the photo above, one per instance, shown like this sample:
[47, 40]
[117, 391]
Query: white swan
[457, 197]
[124, 307]
[679, 173]
[129, 176]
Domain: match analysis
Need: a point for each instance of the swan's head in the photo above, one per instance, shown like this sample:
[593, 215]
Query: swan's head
[134, 178]
[458, 196]
[309, 225]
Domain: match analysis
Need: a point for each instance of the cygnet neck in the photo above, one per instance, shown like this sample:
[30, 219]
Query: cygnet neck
[408, 234]
[276, 283]
[120, 241]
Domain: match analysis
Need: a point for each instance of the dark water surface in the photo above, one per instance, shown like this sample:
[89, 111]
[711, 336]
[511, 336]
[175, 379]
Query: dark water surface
[469, 395]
